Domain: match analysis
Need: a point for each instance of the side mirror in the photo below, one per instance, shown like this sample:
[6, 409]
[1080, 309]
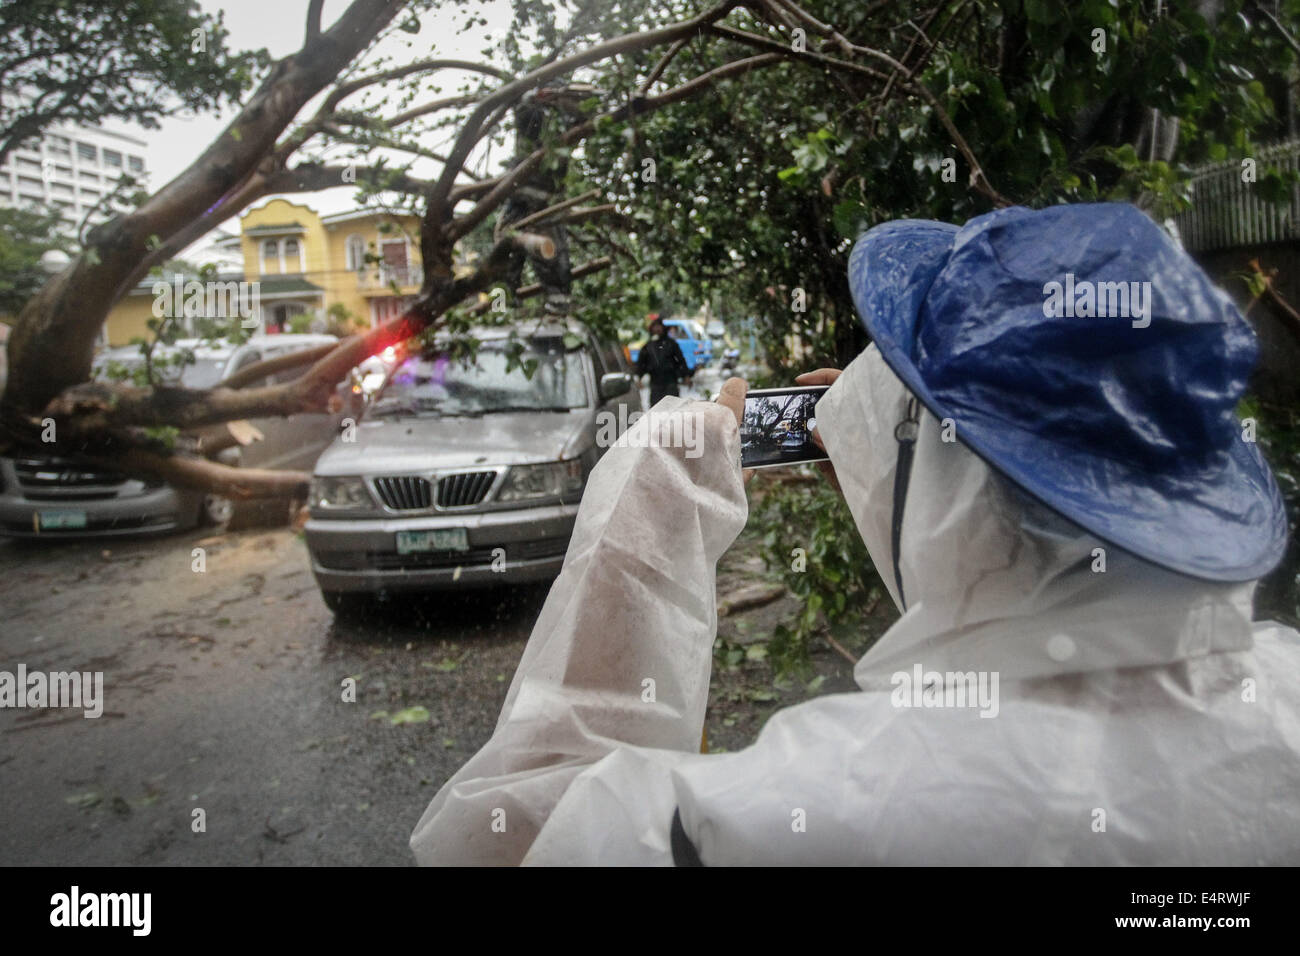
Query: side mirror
[614, 384]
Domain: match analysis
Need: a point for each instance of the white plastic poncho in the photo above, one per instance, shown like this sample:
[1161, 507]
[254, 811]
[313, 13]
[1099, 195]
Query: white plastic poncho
[1129, 715]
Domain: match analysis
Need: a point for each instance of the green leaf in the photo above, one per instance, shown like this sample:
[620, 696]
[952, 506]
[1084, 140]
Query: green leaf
[410, 715]
[850, 218]
[1045, 12]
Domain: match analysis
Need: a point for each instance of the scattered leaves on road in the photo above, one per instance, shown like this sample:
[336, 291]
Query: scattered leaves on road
[418, 714]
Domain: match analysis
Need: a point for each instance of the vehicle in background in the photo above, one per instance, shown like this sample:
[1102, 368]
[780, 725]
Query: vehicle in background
[368, 377]
[725, 346]
[697, 348]
[45, 496]
[467, 473]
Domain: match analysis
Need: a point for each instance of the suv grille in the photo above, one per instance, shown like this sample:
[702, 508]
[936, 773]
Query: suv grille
[464, 490]
[404, 492]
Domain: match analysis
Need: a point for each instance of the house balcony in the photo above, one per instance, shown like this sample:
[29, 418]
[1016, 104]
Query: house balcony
[381, 280]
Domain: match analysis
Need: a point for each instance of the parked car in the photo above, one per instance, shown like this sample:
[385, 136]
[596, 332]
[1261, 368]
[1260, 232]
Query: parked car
[44, 495]
[467, 473]
[697, 348]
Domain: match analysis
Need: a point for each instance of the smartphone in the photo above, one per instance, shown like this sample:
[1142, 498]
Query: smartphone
[776, 428]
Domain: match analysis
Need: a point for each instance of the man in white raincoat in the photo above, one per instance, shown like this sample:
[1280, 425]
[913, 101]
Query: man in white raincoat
[1051, 479]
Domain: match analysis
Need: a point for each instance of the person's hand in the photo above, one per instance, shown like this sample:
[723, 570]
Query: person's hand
[822, 376]
[732, 395]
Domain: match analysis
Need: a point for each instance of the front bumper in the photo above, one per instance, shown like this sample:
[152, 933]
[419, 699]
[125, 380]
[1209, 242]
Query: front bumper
[515, 546]
[152, 510]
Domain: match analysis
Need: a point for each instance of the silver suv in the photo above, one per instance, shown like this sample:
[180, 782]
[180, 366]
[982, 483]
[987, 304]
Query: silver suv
[48, 496]
[464, 473]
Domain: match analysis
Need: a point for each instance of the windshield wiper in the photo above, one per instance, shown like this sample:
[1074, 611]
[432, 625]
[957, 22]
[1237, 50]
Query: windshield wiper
[526, 408]
[426, 409]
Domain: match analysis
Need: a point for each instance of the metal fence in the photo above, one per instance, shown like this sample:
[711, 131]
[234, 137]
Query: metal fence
[1226, 212]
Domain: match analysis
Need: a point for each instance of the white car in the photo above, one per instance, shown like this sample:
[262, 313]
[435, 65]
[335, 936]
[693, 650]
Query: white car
[45, 495]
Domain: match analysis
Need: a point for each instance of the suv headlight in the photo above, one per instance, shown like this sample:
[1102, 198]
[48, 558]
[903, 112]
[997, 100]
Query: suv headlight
[339, 494]
[551, 480]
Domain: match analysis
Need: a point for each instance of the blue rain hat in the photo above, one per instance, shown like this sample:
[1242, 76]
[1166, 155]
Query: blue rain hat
[1083, 354]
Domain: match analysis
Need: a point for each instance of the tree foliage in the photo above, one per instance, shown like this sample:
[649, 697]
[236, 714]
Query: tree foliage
[729, 150]
[25, 236]
[760, 190]
[85, 61]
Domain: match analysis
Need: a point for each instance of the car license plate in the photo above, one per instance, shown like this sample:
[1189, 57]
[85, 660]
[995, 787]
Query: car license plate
[446, 539]
[62, 519]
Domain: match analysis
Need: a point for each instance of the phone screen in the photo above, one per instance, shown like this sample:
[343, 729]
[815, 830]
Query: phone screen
[777, 427]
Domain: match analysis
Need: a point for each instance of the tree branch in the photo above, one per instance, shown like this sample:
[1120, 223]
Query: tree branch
[52, 345]
[274, 366]
[512, 91]
[978, 179]
[535, 288]
[313, 20]
[344, 90]
[1276, 24]
[507, 182]
[202, 474]
[662, 65]
[550, 211]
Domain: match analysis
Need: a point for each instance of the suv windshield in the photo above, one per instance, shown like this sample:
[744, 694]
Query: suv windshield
[436, 384]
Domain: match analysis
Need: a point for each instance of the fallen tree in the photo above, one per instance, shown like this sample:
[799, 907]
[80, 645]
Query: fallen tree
[262, 153]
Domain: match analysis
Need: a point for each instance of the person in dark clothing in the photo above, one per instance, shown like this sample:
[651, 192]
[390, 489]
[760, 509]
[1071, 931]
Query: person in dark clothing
[661, 358]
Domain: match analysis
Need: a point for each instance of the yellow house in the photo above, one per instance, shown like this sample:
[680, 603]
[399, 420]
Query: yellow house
[367, 261]
[361, 267]
[129, 318]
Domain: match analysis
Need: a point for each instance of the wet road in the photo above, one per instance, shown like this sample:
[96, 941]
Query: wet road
[223, 692]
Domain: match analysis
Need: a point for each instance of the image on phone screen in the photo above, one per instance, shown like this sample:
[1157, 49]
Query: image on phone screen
[777, 427]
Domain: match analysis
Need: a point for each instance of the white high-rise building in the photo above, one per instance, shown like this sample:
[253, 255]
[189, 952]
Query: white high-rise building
[70, 169]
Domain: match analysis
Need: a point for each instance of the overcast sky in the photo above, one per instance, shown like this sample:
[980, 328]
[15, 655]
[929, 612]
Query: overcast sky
[278, 25]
